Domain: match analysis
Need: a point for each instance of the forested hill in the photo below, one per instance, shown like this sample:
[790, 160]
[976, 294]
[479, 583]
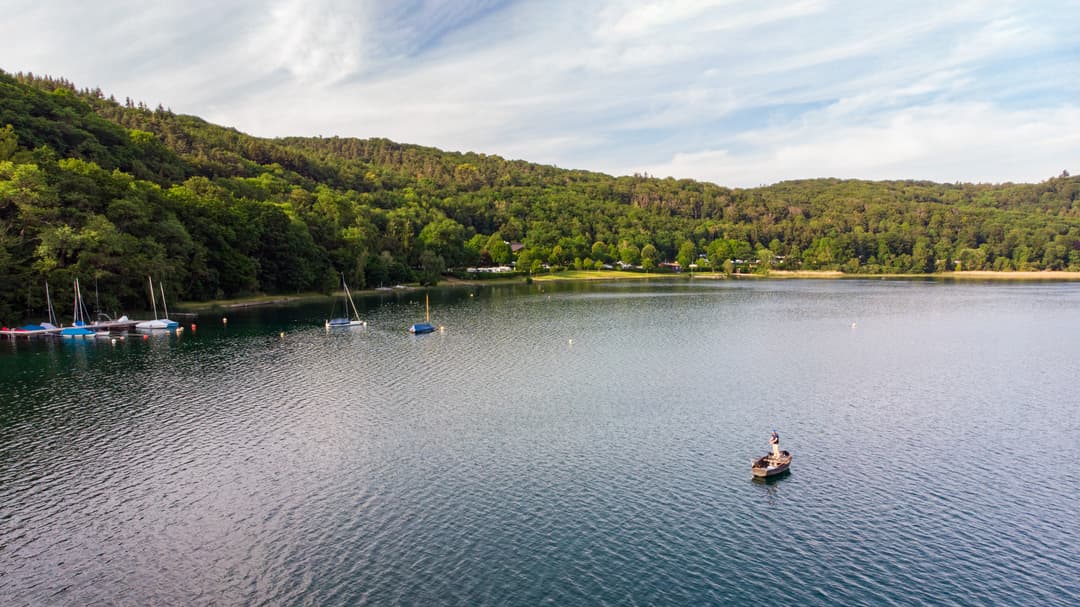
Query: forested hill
[111, 191]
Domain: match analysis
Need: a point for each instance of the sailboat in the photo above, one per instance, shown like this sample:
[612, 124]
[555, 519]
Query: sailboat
[343, 321]
[426, 326]
[52, 322]
[163, 324]
[32, 329]
[78, 326]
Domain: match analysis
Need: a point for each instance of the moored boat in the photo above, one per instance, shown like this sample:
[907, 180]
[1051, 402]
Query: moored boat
[163, 324]
[350, 305]
[423, 327]
[78, 329]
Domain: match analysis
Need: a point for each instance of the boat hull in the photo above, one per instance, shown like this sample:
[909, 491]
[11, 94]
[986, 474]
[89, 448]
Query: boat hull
[157, 325]
[769, 465]
[421, 328]
[343, 323]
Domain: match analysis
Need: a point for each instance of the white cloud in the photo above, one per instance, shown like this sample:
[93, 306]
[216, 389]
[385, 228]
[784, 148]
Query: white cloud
[741, 92]
[636, 20]
[316, 41]
[963, 142]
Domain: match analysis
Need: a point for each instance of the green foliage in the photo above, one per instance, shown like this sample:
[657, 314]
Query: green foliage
[9, 142]
[687, 254]
[432, 267]
[94, 188]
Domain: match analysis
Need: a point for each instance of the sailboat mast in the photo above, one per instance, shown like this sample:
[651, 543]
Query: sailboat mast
[84, 314]
[48, 303]
[75, 306]
[153, 300]
[161, 286]
[427, 309]
[78, 303]
[348, 294]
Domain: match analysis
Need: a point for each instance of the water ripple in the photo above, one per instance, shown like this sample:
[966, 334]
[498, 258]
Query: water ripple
[579, 445]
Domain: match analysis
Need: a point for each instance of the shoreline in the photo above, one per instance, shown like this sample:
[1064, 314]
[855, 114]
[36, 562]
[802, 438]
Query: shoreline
[592, 275]
[1020, 275]
[1039, 275]
[255, 301]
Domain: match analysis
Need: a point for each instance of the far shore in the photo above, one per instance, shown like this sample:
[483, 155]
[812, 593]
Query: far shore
[572, 275]
[591, 275]
[964, 275]
[254, 301]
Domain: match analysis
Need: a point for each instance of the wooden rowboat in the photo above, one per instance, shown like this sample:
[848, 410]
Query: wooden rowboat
[771, 465]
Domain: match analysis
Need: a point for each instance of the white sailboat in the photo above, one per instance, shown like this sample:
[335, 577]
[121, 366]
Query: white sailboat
[163, 324]
[342, 321]
[53, 322]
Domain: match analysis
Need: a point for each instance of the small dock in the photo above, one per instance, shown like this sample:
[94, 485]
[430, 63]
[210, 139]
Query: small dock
[111, 326]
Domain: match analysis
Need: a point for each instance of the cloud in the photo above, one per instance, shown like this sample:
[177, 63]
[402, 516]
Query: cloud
[316, 41]
[735, 91]
[963, 142]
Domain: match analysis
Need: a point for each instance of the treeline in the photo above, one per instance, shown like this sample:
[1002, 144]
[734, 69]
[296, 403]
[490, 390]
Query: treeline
[111, 191]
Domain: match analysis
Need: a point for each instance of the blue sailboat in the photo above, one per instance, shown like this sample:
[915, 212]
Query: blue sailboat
[78, 328]
[345, 321]
[426, 326]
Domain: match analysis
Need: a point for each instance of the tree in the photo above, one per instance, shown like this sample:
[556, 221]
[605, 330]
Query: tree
[525, 259]
[718, 252]
[765, 261]
[687, 254]
[446, 238]
[431, 268]
[8, 142]
[499, 250]
[557, 256]
[600, 251]
[474, 249]
[649, 257]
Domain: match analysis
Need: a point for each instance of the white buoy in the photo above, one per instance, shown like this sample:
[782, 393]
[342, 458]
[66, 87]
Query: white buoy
[224, 320]
[114, 341]
[282, 335]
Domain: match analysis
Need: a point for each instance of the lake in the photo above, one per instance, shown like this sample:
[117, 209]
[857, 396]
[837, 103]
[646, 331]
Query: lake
[568, 444]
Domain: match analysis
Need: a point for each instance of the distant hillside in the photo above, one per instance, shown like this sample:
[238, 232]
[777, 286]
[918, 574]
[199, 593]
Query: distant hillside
[111, 191]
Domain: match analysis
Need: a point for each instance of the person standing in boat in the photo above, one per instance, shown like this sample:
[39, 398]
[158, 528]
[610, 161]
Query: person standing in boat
[774, 440]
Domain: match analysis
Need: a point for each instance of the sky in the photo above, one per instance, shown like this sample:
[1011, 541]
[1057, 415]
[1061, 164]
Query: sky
[740, 93]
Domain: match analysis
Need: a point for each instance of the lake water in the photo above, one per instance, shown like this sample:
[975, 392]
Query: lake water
[575, 444]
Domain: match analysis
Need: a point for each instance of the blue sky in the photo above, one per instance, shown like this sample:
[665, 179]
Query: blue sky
[738, 93]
